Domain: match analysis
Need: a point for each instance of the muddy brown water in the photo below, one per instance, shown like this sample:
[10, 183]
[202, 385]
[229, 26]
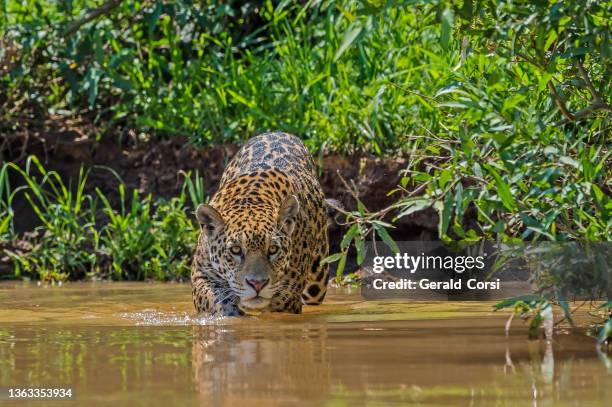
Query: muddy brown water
[140, 344]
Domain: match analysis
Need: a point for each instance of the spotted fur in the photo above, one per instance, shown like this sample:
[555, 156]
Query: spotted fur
[267, 220]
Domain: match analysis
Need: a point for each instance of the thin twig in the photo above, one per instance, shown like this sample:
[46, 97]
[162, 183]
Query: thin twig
[587, 80]
[410, 91]
[338, 208]
[559, 101]
[92, 15]
[527, 58]
[596, 105]
[348, 188]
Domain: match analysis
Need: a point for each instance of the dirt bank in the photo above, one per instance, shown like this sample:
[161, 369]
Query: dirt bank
[156, 168]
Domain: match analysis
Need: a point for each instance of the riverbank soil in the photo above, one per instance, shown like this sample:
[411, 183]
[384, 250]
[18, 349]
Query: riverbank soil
[156, 167]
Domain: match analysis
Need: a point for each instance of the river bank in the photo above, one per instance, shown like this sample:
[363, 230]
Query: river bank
[158, 168]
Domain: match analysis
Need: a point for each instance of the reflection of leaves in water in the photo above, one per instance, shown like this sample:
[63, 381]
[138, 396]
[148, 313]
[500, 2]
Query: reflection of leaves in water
[605, 333]
[548, 377]
[94, 358]
[605, 359]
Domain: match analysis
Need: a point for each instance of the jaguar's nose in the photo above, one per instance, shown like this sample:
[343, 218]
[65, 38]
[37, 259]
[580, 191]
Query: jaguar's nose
[257, 284]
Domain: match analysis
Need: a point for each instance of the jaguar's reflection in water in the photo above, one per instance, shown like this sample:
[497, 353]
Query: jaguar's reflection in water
[287, 363]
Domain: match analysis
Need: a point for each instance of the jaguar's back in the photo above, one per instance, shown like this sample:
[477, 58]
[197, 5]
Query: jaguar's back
[279, 151]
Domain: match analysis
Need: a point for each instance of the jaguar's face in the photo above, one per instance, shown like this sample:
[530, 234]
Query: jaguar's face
[257, 264]
[251, 256]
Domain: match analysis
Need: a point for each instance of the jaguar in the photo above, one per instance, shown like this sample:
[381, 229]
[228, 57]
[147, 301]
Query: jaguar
[263, 234]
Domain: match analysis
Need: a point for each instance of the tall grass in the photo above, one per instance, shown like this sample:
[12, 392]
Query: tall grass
[6, 212]
[82, 235]
[331, 72]
[67, 217]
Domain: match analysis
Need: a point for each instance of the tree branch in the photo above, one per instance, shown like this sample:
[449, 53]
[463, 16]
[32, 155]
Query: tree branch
[597, 104]
[92, 15]
[594, 107]
[527, 58]
[560, 102]
[587, 80]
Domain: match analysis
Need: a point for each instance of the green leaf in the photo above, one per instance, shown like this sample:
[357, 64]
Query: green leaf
[412, 205]
[349, 236]
[447, 27]
[503, 190]
[332, 258]
[534, 325]
[605, 333]
[569, 161]
[341, 265]
[565, 306]
[5, 224]
[444, 177]
[477, 170]
[459, 201]
[361, 208]
[511, 302]
[91, 85]
[445, 210]
[552, 36]
[349, 37]
[384, 235]
[360, 246]
[607, 304]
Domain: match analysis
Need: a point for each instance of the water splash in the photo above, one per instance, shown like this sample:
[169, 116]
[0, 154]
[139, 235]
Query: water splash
[150, 317]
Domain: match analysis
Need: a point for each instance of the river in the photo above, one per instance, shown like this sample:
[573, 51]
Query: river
[139, 344]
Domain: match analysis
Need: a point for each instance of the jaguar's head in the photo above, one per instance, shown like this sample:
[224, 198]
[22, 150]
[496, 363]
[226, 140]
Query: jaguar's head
[249, 247]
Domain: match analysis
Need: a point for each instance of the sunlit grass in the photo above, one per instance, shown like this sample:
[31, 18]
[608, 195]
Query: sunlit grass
[82, 235]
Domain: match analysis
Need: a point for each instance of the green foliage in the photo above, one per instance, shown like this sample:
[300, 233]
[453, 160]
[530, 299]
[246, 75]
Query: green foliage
[175, 234]
[526, 191]
[344, 75]
[533, 309]
[515, 137]
[605, 333]
[574, 269]
[6, 214]
[65, 245]
[326, 72]
[561, 271]
[79, 238]
[528, 173]
[143, 243]
[604, 330]
[517, 142]
[194, 188]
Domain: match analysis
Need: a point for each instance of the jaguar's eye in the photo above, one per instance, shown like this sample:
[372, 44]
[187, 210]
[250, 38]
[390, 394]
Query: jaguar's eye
[236, 250]
[272, 250]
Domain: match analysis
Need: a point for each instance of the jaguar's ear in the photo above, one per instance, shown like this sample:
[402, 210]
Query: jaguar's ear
[287, 213]
[209, 218]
